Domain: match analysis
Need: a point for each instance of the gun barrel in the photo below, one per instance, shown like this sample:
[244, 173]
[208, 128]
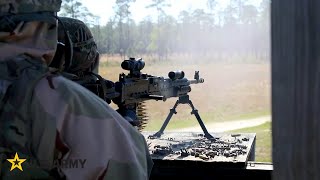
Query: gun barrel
[196, 81]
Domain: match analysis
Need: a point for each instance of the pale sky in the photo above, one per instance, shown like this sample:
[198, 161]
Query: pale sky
[104, 8]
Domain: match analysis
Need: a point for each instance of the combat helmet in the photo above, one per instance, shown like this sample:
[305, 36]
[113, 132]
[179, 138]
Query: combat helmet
[85, 55]
[28, 6]
[14, 11]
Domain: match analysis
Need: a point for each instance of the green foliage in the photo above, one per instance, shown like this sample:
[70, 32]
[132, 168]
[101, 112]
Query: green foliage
[125, 27]
[159, 6]
[75, 9]
[263, 141]
[238, 30]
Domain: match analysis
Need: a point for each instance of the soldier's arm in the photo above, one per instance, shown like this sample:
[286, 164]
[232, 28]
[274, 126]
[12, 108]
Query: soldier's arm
[93, 132]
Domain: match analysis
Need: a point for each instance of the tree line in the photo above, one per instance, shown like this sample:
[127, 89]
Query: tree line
[240, 29]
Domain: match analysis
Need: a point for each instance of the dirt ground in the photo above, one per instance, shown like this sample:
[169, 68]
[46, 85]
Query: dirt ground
[229, 125]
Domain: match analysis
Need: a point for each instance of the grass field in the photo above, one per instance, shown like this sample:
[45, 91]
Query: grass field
[263, 142]
[191, 121]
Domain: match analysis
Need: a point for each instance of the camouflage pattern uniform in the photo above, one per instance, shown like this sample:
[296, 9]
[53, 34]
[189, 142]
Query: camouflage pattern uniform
[44, 116]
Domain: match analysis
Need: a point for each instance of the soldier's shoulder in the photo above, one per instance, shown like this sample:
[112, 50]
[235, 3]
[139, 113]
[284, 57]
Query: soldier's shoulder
[66, 88]
[62, 92]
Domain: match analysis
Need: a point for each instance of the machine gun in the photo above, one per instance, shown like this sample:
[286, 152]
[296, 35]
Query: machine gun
[136, 87]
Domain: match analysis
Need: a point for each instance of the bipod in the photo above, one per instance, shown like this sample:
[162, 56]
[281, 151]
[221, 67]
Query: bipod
[182, 100]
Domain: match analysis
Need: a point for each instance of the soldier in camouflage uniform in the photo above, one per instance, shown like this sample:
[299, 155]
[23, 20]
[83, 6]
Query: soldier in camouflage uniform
[83, 66]
[44, 117]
